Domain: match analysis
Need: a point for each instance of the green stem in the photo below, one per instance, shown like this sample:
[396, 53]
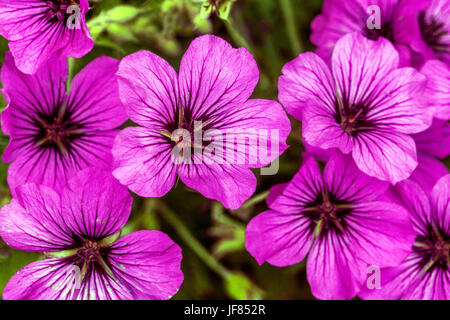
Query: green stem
[255, 200]
[71, 62]
[291, 26]
[235, 35]
[191, 241]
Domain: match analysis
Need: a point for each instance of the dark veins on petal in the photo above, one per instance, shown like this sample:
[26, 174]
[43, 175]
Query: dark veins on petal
[98, 267]
[433, 32]
[434, 249]
[91, 258]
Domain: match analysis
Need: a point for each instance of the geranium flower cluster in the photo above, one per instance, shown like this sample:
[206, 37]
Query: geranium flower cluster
[371, 192]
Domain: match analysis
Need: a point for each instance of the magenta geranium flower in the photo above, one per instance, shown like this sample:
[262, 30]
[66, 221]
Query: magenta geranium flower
[80, 228]
[339, 18]
[429, 29]
[39, 29]
[335, 218]
[53, 135]
[425, 274]
[365, 105]
[209, 97]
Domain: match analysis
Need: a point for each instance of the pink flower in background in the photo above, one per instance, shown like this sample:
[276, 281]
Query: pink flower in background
[428, 33]
[339, 18]
[39, 29]
[438, 88]
[212, 88]
[53, 135]
[425, 274]
[333, 217]
[432, 145]
[84, 221]
[365, 105]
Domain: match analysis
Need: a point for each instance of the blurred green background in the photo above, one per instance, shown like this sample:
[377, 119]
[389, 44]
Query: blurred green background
[215, 262]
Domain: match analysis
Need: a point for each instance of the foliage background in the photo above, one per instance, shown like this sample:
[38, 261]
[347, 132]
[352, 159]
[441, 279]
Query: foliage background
[215, 262]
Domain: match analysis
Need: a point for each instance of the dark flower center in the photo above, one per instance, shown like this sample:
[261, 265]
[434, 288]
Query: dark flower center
[90, 251]
[57, 131]
[352, 117]
[385, 31]
[434, 248]
[193, 129]
[58, 9]
[328, 214]
[433, 32]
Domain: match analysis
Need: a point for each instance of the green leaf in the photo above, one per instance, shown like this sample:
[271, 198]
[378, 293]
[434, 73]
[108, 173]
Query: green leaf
[14, 263]
[117, 15]
[239, 287]
[121, 31]
[122, 13]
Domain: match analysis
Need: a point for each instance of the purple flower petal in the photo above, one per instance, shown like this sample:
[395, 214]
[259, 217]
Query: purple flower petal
[33, 221]
[382, 234]
[230, 184]
[429, 29]
[434, 142]
[215, 78]
[385, 155]
[149, 89]
[393, 281]
[95, 205]
[53, 135]
[428, 172]
[281, 239]
[143, 162]
[440, 199]
[306, 78]
[366, 73]
[210, 98]
[148, 264]
[369, 113]
[332, 269]
[438, 87]
[346, 182]
[143, 265]
[336, 20]
[50, 279]
[95, 90]
[397, 24]
[408, 283]
[302, 190]
[27, 95]
[254, 133]
[424, 274]
[320, 129]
